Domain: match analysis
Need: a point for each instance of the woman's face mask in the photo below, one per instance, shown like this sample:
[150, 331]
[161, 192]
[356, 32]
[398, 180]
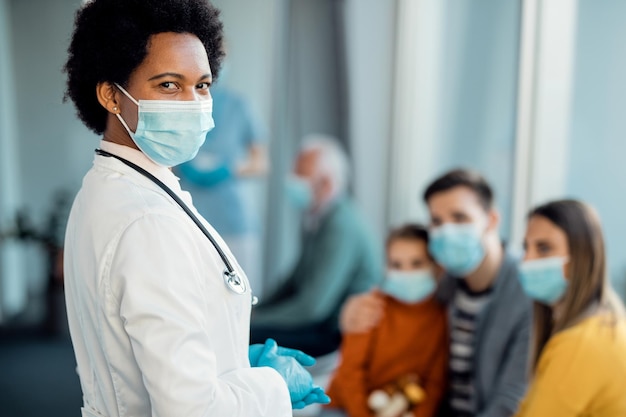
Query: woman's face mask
[170, 132]
[544, 270]
[543, 279]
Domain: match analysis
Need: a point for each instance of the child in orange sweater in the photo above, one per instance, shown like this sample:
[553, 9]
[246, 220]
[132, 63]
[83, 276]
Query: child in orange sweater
[411, 339]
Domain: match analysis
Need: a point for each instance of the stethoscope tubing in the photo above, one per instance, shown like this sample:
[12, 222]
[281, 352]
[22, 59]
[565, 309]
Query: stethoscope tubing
[230, 273]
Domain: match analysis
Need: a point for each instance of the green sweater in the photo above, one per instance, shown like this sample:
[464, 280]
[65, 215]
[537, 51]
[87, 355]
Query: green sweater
[338, 259]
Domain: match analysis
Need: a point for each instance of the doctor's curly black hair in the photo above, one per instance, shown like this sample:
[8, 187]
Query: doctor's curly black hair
[110, 40]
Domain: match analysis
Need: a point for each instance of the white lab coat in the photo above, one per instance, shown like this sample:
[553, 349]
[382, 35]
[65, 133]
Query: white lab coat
[156, 331]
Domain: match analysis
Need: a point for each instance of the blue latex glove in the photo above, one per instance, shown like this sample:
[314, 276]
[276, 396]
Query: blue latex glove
[255, 351]
[299, 380]
[205, 178]
[316, 395]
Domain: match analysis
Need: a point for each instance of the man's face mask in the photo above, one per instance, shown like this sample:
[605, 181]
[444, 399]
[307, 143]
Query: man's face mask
[170, 132]
[458, 248]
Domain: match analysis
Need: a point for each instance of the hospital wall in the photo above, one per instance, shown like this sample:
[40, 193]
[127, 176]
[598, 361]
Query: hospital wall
[50, 149]
[597, 149]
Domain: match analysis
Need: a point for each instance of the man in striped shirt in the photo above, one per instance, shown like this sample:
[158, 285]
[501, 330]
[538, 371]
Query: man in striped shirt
[489, 314]
[464, 311]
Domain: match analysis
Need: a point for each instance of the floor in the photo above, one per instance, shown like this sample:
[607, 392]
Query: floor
[38, 372]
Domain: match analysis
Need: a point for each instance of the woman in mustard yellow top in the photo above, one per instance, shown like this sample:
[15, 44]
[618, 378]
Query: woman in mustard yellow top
[579, 343]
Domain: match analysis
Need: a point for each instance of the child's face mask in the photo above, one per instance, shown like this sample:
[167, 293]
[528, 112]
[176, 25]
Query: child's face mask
[409, 286]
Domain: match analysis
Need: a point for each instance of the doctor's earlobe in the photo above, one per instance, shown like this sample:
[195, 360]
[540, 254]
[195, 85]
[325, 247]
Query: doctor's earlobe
[107, 97]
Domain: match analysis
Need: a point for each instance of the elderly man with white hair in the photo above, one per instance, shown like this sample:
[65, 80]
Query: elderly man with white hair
[338, 255]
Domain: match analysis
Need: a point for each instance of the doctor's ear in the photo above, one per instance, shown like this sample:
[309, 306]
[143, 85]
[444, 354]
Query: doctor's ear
[107, 97]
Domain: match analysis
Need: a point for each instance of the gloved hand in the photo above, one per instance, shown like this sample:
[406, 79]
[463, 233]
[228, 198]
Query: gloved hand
[255, 351]
[316, 395]
[299, 381]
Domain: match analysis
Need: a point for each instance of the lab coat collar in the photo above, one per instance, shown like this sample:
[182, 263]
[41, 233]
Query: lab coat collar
[138, 158]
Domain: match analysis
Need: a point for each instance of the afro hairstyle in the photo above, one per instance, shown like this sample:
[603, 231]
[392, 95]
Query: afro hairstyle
[110, 40]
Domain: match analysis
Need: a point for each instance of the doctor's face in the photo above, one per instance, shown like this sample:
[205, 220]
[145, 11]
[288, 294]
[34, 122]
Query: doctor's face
[175, 68]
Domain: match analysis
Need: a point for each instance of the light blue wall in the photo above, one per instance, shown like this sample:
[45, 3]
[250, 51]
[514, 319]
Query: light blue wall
[251, 27]
[52, 149]
[370, 27]
[55, 148]
[597, 159]
[12, 291]
[479, 93]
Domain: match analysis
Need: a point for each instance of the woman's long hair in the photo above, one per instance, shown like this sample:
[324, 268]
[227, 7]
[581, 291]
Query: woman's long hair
[588, 285]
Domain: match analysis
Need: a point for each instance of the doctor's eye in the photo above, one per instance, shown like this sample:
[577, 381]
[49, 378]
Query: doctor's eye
[168, 85]
[203, 86]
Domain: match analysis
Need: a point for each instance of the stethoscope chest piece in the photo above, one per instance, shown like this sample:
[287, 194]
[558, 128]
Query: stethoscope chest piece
[234, 282]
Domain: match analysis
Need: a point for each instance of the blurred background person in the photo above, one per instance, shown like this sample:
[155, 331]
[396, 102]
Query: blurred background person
[408, 346]
[338, 255]
[218, 177]
[579, 332]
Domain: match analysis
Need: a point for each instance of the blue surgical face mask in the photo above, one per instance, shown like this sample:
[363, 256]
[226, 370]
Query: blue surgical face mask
[458, 248]
[410, 287]
[299, 191]
[543, 279]
[170, 132]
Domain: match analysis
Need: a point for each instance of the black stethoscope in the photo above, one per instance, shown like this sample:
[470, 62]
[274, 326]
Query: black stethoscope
[231, 277]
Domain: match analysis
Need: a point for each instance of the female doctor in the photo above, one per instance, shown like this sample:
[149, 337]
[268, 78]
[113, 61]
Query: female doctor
[157, 306]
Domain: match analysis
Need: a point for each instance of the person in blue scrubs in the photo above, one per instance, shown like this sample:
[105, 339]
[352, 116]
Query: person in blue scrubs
[218, 178]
